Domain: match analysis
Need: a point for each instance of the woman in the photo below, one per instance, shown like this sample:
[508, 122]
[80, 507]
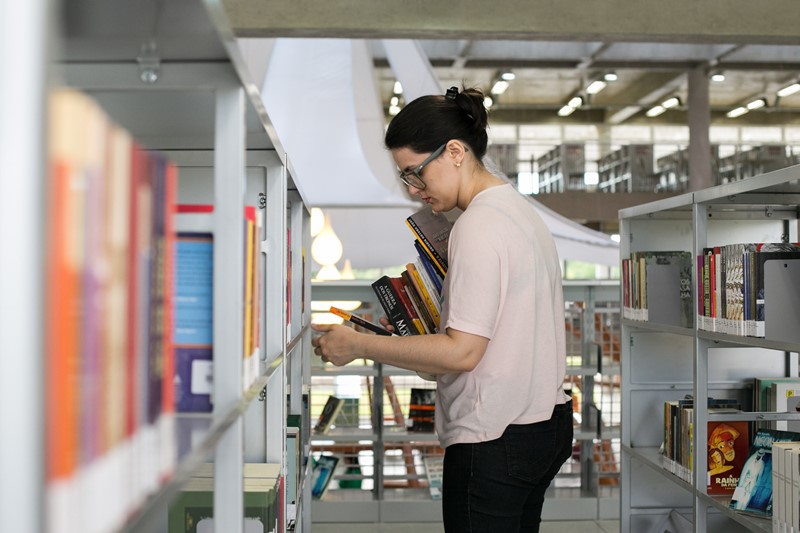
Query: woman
[501, 413]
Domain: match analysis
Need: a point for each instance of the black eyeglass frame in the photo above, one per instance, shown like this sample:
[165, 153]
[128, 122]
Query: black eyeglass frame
[417, 182]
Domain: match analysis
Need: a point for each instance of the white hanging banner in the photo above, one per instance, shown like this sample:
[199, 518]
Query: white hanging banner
[412, 68]
[309, 93]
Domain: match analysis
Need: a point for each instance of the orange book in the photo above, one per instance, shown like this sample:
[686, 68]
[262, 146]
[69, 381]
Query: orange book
[250, 223]
[63, 293]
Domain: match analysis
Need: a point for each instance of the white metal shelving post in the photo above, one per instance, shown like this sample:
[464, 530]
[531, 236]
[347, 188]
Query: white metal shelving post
[25, 38]
[229, 190]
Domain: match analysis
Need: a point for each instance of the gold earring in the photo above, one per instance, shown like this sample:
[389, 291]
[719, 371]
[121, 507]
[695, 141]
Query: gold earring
[458, 164]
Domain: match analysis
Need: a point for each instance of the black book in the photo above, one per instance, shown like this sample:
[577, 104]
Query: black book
[421, 409]
[393, 307]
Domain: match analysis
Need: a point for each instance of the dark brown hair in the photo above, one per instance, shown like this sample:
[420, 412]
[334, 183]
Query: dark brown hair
[430, 121]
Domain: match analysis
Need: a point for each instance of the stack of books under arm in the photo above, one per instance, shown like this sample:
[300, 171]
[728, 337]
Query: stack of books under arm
[413, 301]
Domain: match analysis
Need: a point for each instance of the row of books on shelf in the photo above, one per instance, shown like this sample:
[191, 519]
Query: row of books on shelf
[128, 307]
[108, 317]
[193, 509]
[740, 454]
[194, 305]
[662, 277]
[344, 412]
[731, 283]
[727, 445]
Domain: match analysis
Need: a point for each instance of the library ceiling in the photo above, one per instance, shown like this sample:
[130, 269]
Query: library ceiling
[556, 50]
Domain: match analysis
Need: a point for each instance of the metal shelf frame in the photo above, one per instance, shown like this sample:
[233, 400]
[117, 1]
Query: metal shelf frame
[204, 101]
[757, 209]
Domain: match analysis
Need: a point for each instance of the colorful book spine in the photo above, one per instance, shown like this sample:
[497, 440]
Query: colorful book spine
[107, 351]
[420, 286]
[436, 277]
[399, 290]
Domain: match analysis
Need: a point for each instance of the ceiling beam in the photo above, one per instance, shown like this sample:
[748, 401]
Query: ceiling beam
[645, 91]
[575, 20]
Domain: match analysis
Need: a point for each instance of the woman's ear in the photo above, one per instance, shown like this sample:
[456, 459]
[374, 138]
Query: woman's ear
[456, 151]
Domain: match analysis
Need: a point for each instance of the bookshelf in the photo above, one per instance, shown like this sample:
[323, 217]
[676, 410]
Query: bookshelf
[205, 113]
[561, 169]
[587, 488]
[665, 361]
[627, 169]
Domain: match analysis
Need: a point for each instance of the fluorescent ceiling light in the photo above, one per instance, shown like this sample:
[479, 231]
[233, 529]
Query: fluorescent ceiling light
[394, 101]
[393, 110]
[655, 111]
[398, 88]
[487, 102]
[508, 76]
[596, 86]
[499, 87]
[575, 101]
[591, 178]
[789, 89]
[738, 112]
[718, 77]
[610, 76]
[669, 103]
[566, 111]
[756, 104]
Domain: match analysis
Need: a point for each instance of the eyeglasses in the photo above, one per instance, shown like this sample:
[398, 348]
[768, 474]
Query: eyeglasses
[412, 177]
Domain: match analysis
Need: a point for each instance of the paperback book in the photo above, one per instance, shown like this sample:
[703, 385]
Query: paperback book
[753, 494]
[322, 475]
[432, 230]
[330, 412]
[421, 410]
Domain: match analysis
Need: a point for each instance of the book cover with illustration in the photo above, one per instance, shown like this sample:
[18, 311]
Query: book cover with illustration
[753, 494]
[728, 446]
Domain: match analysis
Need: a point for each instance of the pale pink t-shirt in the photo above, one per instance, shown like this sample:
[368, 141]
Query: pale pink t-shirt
[503, 283]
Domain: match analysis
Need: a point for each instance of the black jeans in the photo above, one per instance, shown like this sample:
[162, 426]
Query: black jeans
[498, 486]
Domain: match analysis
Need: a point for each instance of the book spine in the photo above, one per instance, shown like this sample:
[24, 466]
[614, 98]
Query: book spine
[402, 296]
[437, 258]
[422, 289]
[432, 270]
[395, 312]
[425, 320]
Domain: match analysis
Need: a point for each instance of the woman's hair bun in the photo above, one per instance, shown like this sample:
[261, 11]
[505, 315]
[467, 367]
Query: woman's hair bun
[470, 100]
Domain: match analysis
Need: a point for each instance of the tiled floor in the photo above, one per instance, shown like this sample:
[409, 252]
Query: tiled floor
[583, 526]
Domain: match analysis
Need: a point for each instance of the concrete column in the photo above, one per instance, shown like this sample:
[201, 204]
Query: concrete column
[699, 121]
